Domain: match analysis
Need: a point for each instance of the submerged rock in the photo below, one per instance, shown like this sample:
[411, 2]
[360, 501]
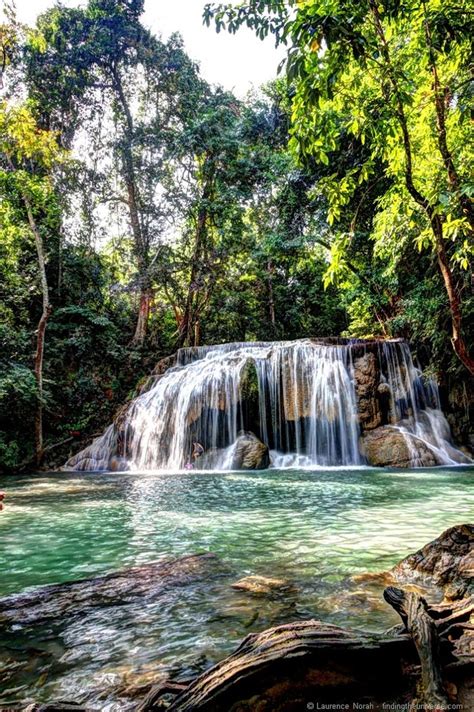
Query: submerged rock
[146, 582]
[250, 453]
[263, 585]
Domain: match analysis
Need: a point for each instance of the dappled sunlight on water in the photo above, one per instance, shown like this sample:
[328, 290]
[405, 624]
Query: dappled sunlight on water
[313, 529]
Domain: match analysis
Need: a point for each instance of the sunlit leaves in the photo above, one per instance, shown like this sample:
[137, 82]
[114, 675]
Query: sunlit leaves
[22, 139]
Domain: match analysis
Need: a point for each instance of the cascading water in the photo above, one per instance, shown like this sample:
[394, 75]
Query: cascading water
[301, 398]
[307, 403]
[415, 407]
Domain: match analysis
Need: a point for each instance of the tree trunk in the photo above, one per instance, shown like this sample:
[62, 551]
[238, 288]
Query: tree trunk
[146, 297]
[459, 345]
[271, 298]
[40, 338]
[186, 328]
[413, 610]
[133, 202]
[40, 334]
[197, 333]
[187, 332]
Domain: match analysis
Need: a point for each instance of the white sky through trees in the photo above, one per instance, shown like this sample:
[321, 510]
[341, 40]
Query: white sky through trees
[237, 62]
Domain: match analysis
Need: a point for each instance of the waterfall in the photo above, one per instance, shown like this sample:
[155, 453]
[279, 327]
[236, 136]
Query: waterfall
[415, 407]
[308, 390]
[301, 398]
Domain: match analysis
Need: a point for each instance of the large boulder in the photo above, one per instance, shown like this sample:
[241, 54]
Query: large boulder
[446, 562]
[250, 453]
[389, 447]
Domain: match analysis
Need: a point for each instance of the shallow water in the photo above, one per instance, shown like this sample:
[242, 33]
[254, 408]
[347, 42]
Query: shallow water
[312, 528]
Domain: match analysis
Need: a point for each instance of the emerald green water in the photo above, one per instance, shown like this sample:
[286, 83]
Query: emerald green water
[313, 528]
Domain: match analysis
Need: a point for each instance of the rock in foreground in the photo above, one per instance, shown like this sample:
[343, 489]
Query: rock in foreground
[446, 562]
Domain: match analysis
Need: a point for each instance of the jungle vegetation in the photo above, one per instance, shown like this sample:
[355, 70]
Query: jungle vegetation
[143, 210]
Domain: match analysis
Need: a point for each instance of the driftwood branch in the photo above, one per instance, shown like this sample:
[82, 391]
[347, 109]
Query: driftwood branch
[413, 611]
[156, 694]
[31, 461]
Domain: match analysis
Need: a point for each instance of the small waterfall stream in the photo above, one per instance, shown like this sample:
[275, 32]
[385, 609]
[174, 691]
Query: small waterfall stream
[301, 398]
[415, 407]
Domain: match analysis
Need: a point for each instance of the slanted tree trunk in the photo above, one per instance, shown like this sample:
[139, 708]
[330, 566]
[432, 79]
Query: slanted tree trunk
[457, 339]
[45, 312]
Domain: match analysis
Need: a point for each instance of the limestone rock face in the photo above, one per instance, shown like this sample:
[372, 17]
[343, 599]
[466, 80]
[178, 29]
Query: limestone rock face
[367, 377]
[461, 415]
[250, 453]
[388, 447]
[297, 396]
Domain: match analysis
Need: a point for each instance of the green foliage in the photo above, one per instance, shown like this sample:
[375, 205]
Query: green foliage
[394, 80]
[283, 216]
